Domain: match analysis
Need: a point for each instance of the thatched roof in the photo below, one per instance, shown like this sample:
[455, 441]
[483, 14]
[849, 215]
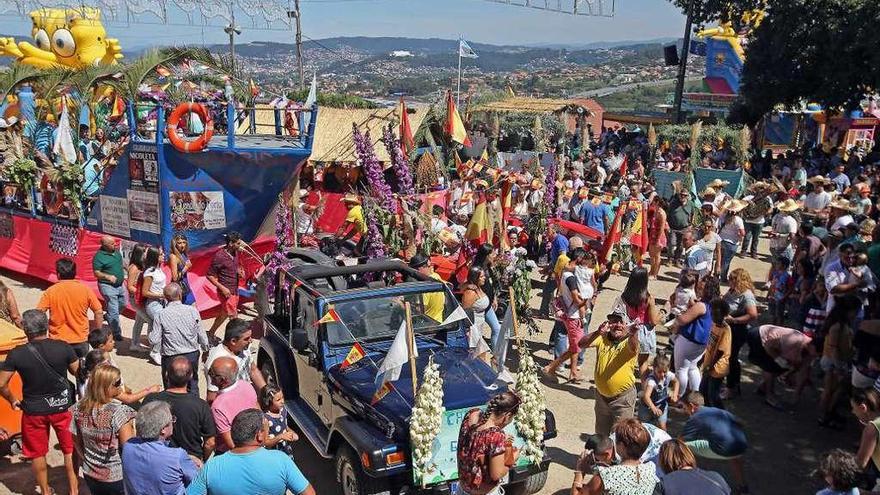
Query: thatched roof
[519, 104]
[333, 138]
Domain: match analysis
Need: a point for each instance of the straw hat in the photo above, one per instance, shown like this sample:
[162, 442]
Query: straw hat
[867, 227]
[818, 179]
[734, 205]
[536, 184]
[788, 206]
[708, 192]
[718, 183]
[759, 186]
[351, 198]
[842, 204]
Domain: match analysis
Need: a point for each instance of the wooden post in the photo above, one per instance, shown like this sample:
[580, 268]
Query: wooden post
[411, 348]
[513, 314]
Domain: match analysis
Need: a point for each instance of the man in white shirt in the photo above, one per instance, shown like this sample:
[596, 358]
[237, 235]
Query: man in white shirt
[784, 227]
[841, 214]
[235, 345]
[818, 199]
[839, 279]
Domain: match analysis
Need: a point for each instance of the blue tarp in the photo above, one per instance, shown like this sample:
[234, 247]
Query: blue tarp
[663, 180]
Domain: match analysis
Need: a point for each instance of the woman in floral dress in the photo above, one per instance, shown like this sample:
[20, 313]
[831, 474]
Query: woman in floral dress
[485, 452]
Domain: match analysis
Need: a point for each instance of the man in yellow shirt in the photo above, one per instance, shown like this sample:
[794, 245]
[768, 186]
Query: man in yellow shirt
[617, 349]
[354, 223]
[434, 302]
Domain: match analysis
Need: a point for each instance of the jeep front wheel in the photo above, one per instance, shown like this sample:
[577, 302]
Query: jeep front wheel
[532, 484]
[352, 478]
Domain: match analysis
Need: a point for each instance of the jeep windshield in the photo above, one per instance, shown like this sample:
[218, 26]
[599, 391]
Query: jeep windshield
[379, 318]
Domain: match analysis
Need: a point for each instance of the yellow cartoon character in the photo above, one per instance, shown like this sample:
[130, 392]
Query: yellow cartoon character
[67, 38]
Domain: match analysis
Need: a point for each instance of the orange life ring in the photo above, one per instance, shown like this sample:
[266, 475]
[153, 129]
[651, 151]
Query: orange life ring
[184, 145]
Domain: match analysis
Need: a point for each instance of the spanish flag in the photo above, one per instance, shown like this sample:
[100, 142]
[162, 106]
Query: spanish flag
[478, 228]
[118, 109]
[162, 71]
[454, 125]
[255, 90]
[354, 355]
[613, 235]
[639, 233]
[330, 317]
[380, 394]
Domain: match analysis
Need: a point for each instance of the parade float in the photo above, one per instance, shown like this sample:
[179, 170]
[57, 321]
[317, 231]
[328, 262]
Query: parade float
[169, 171]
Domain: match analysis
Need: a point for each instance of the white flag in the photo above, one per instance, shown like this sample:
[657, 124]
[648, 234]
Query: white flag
[397, 356]
[64, 146]
[313, 92]
[499, 347]
[465, 50]
[457, 315]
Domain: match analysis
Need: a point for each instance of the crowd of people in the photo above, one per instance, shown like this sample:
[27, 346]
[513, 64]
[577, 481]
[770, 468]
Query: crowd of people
[822, 329]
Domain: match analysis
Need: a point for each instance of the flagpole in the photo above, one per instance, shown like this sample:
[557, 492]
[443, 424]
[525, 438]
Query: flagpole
[515, 322]
[410, 347]
[458, 91]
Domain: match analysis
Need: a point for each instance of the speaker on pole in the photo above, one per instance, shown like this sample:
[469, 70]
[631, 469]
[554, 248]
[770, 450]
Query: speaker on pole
[670, 55]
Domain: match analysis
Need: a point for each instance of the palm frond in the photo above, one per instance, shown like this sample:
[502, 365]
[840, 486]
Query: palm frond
[134, 73]
[83, 82]
[16, 75]
[221, 64]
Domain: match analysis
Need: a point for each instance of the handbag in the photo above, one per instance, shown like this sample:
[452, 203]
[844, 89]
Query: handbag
[56, 402]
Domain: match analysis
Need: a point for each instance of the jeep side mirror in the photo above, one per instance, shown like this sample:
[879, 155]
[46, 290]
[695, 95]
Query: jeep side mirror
[299, 339]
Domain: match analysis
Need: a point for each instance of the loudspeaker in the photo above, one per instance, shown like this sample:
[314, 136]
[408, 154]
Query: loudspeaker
[670, 55]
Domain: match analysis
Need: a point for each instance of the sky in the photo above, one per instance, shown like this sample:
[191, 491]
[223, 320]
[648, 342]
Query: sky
[475, 20]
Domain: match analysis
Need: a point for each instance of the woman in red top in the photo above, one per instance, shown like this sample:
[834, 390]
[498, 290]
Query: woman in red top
[656, 232]
[485, 452]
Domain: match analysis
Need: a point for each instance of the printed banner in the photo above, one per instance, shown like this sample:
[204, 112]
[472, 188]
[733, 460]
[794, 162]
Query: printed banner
[143, 167]
[201, 210]
[7, 226]
[444, 462]
[143, 211]
[64, 239]
[115, 217]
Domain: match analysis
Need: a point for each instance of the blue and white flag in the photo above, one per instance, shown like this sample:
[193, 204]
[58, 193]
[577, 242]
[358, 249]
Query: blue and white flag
[465, 50]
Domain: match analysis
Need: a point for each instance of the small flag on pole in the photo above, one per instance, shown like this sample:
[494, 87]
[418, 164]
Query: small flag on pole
[354, 355]
[312, 97]
[465, 50]
[254, 89]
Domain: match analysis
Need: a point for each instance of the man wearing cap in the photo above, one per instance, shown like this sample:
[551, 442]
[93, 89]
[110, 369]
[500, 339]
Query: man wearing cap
[558, 246]
[305, 218]
[783, 230]
[434, 302]
[721, 196]
[354, 222]
[617, 349]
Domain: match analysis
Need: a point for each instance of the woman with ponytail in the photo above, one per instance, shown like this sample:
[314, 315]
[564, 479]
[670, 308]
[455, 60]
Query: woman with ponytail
[485, 452]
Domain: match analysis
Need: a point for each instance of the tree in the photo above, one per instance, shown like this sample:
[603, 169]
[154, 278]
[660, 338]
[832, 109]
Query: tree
[804, 50]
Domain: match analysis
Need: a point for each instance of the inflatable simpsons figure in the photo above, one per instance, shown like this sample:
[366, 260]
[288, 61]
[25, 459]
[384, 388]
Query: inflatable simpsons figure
[71, 38]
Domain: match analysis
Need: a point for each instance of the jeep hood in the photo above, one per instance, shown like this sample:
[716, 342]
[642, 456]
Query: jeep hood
[467, 382]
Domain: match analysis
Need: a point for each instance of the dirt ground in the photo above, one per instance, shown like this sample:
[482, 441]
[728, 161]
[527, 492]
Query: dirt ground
[784, 446]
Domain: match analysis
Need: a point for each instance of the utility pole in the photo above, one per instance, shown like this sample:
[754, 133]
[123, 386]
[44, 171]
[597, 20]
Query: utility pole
[296, 14]
[231, 29]
[682, 67]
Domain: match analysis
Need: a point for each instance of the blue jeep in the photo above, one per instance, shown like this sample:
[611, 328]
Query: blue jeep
[335, 408]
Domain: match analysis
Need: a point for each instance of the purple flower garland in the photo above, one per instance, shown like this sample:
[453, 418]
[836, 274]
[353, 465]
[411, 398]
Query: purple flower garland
[399, 162]
[550, 187]
[373, 169]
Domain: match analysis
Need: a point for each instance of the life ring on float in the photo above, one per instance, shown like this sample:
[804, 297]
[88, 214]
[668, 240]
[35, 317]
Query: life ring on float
[185, 145]
[56, 195]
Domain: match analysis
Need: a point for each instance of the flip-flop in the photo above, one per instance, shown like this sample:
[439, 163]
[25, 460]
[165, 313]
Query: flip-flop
[575, 381]
[547, 376]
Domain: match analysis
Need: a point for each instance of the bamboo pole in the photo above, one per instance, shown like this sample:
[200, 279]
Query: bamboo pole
[410, 348]
[515, 322]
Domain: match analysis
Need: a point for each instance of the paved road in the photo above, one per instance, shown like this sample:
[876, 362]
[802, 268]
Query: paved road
[593, 93]
[785, 446]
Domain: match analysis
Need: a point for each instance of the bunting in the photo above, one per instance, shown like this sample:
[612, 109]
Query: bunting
[330, 317]
[354, 355]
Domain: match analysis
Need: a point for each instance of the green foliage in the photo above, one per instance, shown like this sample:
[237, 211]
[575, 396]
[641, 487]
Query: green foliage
[70, 177]
[335, 100]
[709, 135]
[22, 172]
[805, 50]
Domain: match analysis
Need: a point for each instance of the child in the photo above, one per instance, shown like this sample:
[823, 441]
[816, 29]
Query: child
[814, 311]
[837, 353]
[684, 296]
[716, 363]
[280, 436]
[779, 288]
[804, 279]
[841, 471]
[860, 269]
[654, 406]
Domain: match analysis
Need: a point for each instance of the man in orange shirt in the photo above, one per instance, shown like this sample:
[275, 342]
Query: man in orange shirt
[68, 303]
